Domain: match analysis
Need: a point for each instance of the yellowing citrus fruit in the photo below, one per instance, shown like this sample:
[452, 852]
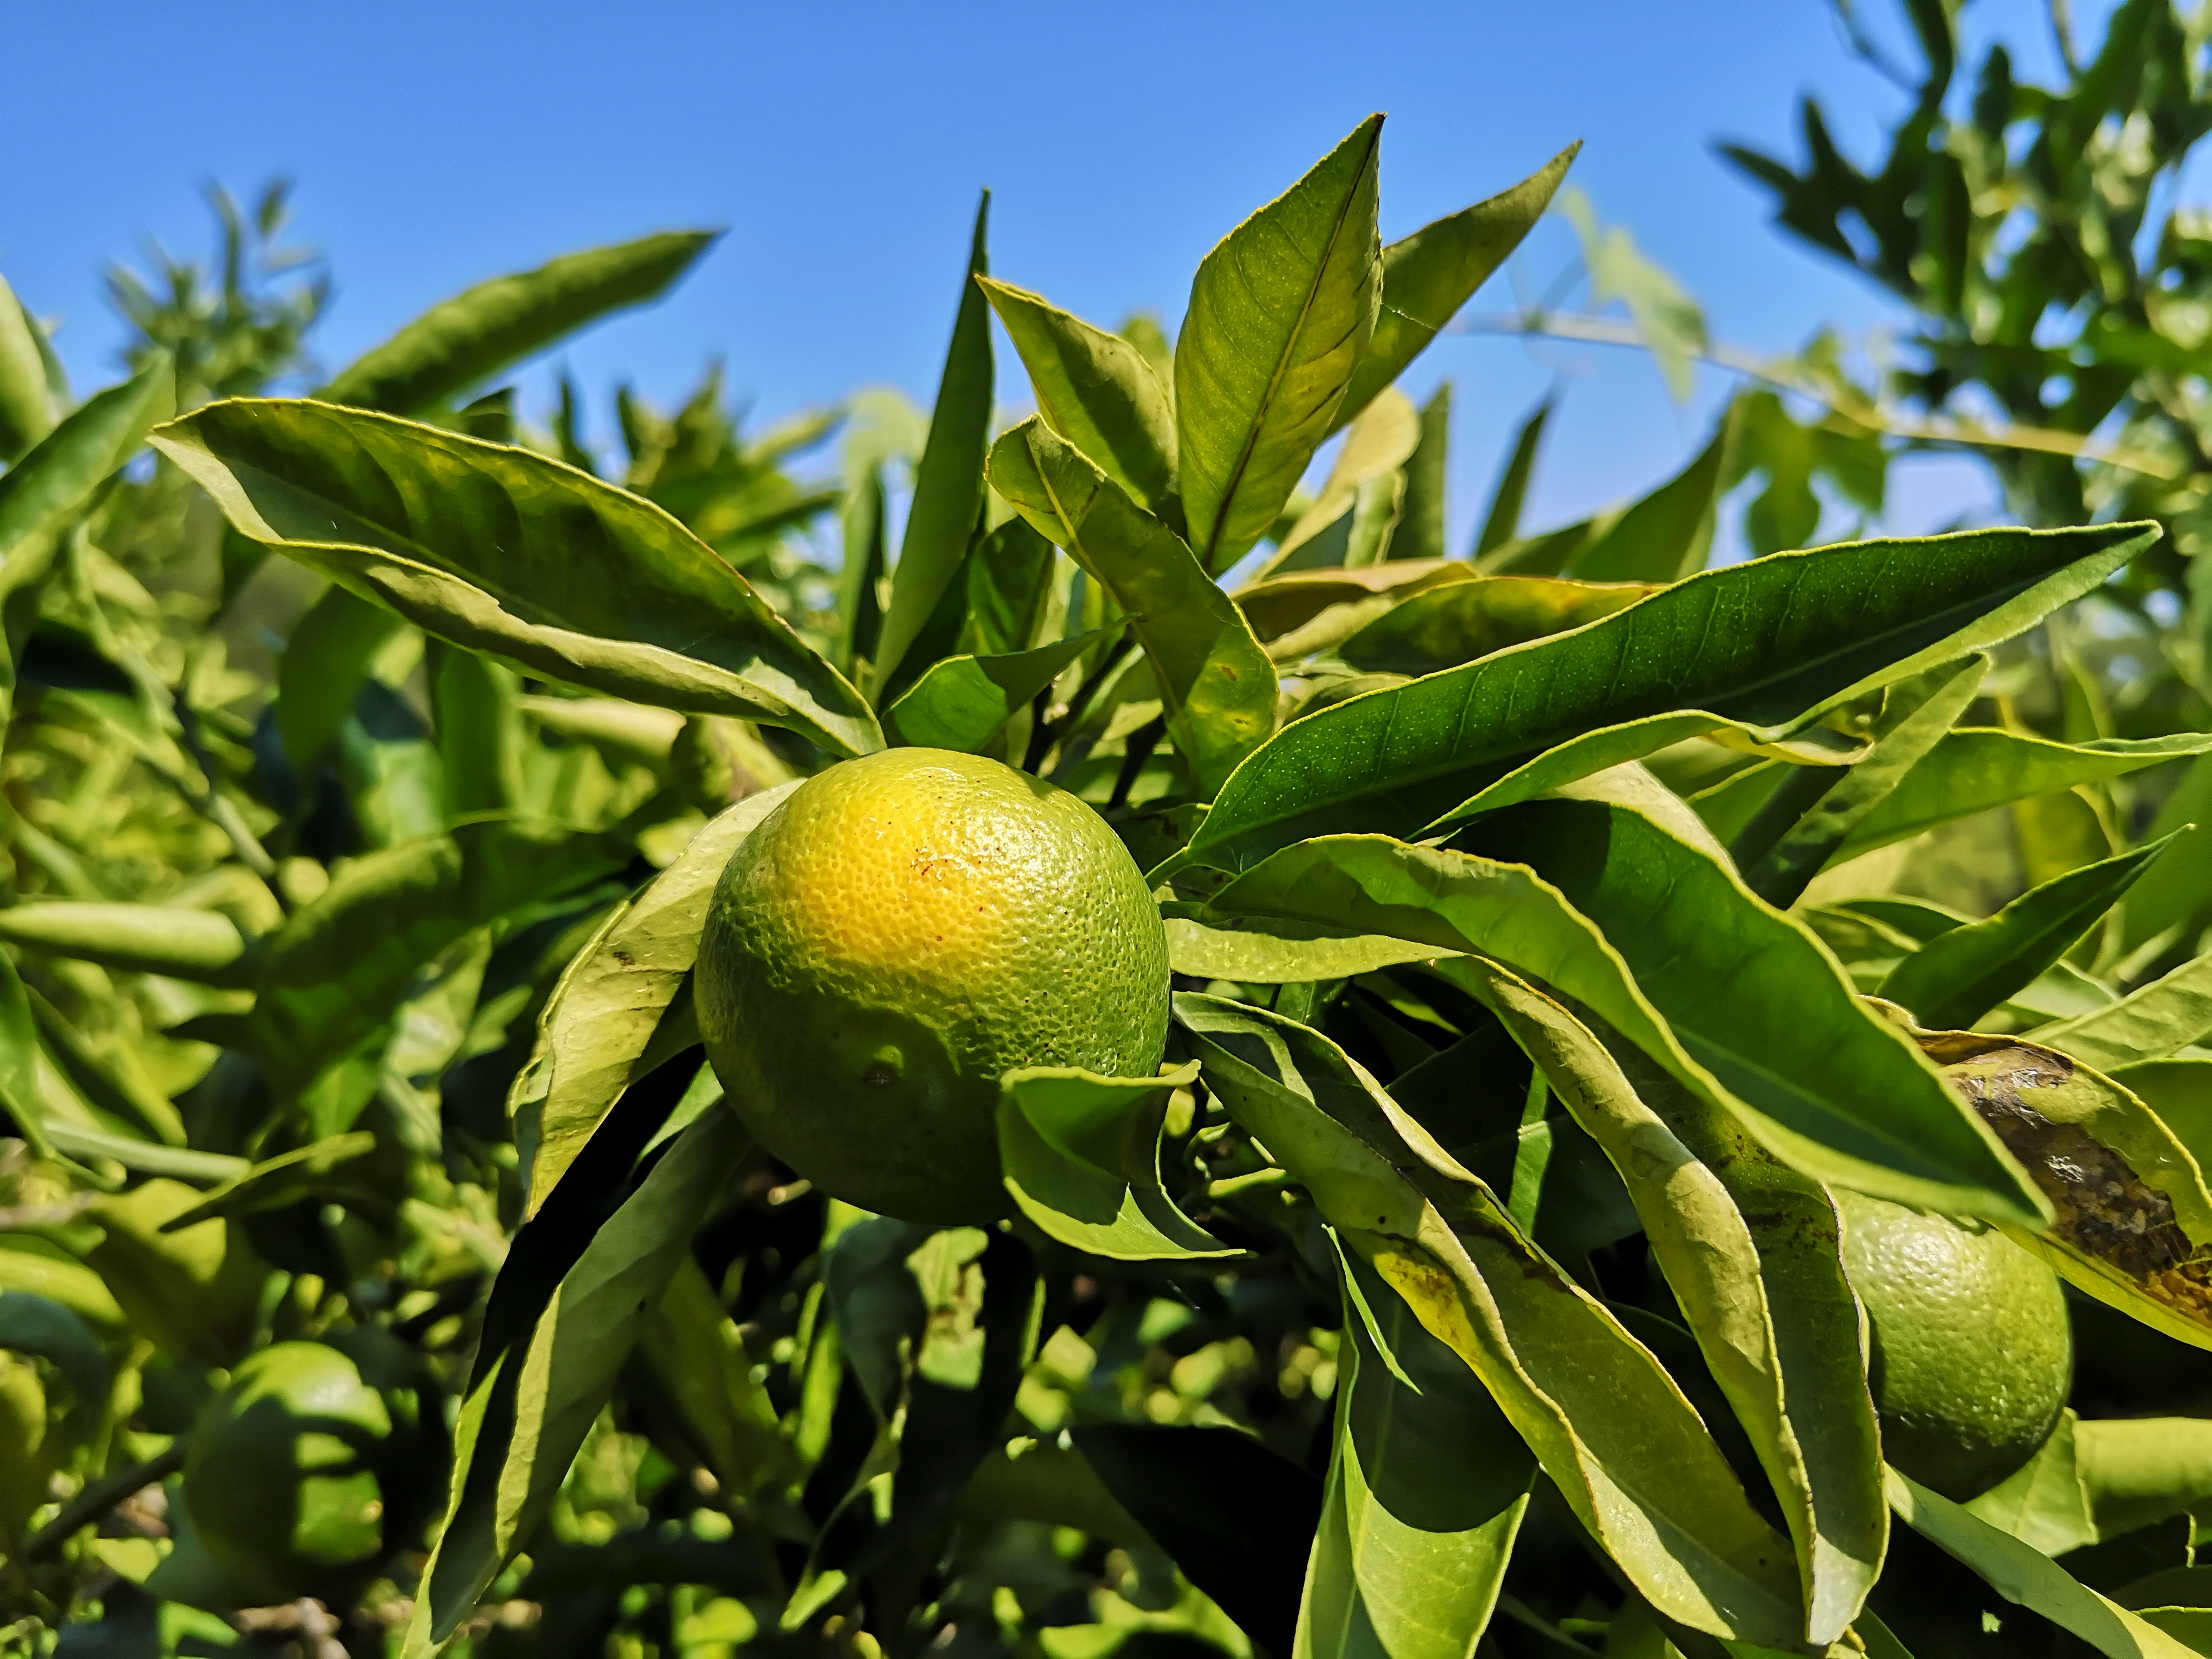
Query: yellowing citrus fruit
[286, 1476]
[901, 932]
[1974, 1354]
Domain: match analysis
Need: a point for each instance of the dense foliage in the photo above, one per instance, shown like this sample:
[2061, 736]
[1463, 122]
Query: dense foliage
[1555, 926]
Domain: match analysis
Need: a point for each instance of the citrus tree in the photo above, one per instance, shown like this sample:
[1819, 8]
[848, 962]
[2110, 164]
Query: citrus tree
[1168, 1064]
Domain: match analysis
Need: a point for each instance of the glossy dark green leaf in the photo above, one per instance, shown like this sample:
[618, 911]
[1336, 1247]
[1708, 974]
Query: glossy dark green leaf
[204, 946]
[1082, 1159]
[1427, 1484]
[502, 550]
[948, 483]
[1763, 647]
[2162, 1018]
[1095, 389]
[1977, 768]
[1751, 1251]
[1281, 313]
[1610, 1427]
[338, 967]
[960, 703]
[1668, 533]
[2027, 1577]
[1217, 685]
[538, 1391]
[597, 1032]
[1430, 275]
[1953, 980]
[1915, 713]
[1452, 624]
[461, 342]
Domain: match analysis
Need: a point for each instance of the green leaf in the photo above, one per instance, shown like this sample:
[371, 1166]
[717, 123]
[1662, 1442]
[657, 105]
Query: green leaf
[1953, 979]
[2179, 894]
[337, 969]
[1890, 1128]
[1420, 533]
[19, 1053]
[1445, 626]
[698, 1362]
[34, 1324]
[2180, 1092]
[325, 663]
[1977, 768]
[2099, 1479]
[1281, 312]
[2044, 1503]
[1290, 604]
[2163, 1017]
[475, 703]
[1673, 327]
[1915, 713]
[1217, 684]
[461, 342]
[204, 946]
[1757, 1000]
[1750, 1249]
[1082, 1159]
[1669, 533]
[1764, 648]
[947, 508]
[961, 702]
[500, 550]
[1009, 589]
[1260, 950]
[1430, 275]
[289, 1178]
[26, 405]
[74, 458]
[614, 996]
[537, 1393]
[1427, 1484]
[1095, 389]
[2029, 1578]
[1501, 522]
[1610, 1427]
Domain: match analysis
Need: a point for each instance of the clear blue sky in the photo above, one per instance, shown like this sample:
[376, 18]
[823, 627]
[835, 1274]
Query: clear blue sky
[841, 146]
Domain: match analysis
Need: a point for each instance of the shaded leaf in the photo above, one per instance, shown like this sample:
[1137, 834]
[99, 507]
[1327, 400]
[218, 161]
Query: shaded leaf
[502, 550]
[1281, 312]
[324, 665]
[961, 702]
[1444, 626]
[1380, 440]
[1420, 532]
[310, 1172]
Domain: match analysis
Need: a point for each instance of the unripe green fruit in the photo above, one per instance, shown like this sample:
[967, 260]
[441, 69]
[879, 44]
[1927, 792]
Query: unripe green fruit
[901, 932]
[298, 1479]
[1973, 1353]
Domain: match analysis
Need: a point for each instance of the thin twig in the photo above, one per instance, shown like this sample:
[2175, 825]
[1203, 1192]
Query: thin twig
[99, 1497]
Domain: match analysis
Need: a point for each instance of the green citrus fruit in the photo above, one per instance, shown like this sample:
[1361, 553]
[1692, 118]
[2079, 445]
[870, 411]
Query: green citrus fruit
[1974, 1354]
[292, 1474]
[901, 932]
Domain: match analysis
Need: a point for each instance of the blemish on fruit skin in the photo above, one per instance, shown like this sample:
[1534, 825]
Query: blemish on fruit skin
[881, 1075]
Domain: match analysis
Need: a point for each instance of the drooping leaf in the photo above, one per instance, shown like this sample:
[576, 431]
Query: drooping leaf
[961, 702]
[1217, 684]
[2162, 1018]
[1427, 1484]
[1430, 275]
[1977, 768]
[1081, 1154]
[1953, 980]
[1905, 1134]
[544, 1373]
[1914, 715]
[1444, 626]
[1281, 312]
[948, 483]
[502, 550]
[1765, 647]
[1750, 1249]
[2029, 1577]
[1608, 1423]
[1096, 390]
[461, 342]
[614, 995]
